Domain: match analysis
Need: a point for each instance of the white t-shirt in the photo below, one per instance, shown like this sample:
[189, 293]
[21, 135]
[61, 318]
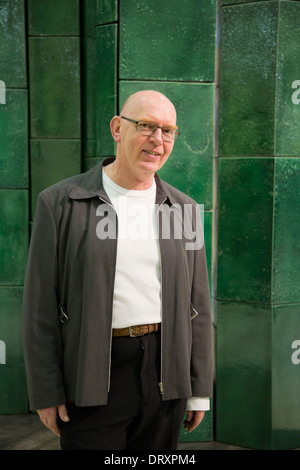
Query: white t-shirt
[137, 290]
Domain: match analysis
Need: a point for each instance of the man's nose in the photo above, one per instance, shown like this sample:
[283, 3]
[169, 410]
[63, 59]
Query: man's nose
[157, 136]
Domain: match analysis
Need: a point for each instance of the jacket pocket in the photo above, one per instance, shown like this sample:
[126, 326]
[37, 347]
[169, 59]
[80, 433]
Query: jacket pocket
[194, 312]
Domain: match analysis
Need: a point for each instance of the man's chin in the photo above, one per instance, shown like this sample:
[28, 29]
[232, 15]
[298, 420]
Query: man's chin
[152, 165]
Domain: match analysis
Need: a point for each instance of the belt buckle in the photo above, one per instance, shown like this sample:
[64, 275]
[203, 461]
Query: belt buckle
[132, 335]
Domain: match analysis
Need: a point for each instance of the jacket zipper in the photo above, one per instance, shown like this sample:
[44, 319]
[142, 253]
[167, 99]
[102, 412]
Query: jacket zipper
[195, 313]
[110, 345]
[161, 384]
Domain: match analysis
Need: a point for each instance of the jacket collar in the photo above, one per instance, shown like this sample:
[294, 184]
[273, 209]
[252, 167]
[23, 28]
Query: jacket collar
[90, 185]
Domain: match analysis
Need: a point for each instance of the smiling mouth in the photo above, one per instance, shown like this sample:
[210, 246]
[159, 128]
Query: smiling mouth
[154, 154]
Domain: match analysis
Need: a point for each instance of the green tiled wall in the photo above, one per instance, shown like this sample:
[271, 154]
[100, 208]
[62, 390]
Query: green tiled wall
[12, 43]
[243, 402]
[167, 41]
[14, 147]
[100, 45]
[285, 376]
[67, 68]
[100, 42]
[288, 82]
[256, 376]
[286, 245]
[51, 161]
[247, 79]
[13, 203]
[54, 70]
[258, 296]
[13, 395]
[53, 18]
[245, 220]
[13, 235]
[99, 12]
[54, 87]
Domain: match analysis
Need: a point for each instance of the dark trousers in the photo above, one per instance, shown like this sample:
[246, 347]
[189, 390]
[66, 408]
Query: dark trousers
[135, 417]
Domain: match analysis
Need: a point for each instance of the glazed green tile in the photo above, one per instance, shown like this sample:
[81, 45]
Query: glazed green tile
[245, 216]
[173, 41]
[13, 235]
[286, 377]
[54, 66]
[243, 376]
[100, 90]
[190, 166]
[257, 378]
[286, 250]
[247, 79]
[52, 161]
[88, 163]
[98, 12]
[13, 396]
[288, 81]
[14, 134]
[53, 17]
[12, 43]
[208, 239]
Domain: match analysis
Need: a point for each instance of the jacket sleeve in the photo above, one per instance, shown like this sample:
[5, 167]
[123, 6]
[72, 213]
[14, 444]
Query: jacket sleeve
[41, 328]
[202, 370]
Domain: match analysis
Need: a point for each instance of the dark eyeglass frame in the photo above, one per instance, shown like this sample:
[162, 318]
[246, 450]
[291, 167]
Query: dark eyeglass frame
[171, 139]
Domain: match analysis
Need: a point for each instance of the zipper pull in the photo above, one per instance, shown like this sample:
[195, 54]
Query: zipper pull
[161, 387]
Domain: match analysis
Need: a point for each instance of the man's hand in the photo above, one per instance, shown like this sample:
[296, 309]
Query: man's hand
[193, 419]
[48, 416]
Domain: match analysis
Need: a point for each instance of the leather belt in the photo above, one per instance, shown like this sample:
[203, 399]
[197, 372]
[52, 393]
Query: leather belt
[137, 330]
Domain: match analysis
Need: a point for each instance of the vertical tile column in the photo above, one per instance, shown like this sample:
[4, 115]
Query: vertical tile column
[100, 43]
[55, 95]
[13, 202]
[286, 246]
[258, 293]
[171, 48]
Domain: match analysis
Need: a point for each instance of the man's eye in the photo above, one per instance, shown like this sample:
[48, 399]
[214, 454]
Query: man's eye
[147, 127]
[168, 131]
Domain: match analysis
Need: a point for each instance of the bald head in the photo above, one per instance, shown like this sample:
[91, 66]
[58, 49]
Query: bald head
[138, 155]
[146, 99]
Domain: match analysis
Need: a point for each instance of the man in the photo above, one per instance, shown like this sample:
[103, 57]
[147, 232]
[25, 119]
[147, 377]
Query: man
[116, 324]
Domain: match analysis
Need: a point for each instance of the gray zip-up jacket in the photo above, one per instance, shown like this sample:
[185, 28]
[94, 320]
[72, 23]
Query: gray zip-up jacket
[68, 296]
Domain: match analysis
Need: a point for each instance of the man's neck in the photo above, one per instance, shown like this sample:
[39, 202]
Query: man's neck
[121, 178]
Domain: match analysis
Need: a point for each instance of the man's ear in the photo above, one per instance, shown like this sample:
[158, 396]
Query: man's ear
[115, 124]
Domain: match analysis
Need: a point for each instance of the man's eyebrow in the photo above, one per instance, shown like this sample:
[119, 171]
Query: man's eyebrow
[153, 122]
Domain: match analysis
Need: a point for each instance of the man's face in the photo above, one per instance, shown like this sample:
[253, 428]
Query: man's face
[143, 154]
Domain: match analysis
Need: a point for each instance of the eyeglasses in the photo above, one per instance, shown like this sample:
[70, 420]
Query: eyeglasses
[149, 128]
